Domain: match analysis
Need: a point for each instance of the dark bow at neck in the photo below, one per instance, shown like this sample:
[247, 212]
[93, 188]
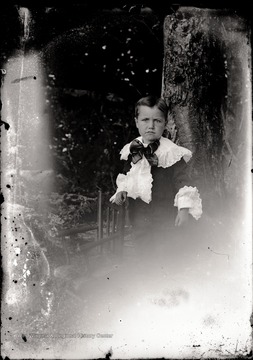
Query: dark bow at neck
[137, 150]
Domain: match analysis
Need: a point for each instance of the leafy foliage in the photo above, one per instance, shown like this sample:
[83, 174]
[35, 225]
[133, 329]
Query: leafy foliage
[95, 73]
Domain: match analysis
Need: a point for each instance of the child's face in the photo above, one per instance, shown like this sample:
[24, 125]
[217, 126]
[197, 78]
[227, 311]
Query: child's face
[150, 123]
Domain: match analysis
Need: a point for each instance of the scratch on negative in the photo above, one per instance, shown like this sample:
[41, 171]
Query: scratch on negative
[218, 253]
[23, 78]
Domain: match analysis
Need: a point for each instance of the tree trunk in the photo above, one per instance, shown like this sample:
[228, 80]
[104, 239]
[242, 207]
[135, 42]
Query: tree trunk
[206, 83]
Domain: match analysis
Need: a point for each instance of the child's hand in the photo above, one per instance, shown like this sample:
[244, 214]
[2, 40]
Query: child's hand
[120, 197]
[182, 217]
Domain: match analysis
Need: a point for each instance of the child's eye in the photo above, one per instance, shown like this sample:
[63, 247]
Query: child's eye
[158, 121]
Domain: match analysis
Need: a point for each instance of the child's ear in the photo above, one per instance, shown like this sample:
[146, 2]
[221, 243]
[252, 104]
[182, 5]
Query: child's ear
[136, 121]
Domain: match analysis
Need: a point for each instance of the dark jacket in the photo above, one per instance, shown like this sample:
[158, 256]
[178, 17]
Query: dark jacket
[166, 183]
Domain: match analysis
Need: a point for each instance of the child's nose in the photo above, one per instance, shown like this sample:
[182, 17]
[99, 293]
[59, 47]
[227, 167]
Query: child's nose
[151, 124]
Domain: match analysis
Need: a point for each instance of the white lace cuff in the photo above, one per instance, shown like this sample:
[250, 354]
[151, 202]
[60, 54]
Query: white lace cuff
[188, 197]
[121, 182]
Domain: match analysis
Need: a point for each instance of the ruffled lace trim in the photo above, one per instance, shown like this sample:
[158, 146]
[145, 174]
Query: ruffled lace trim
[137, 182]
[125, 151]
[168, 153]
[189, 197]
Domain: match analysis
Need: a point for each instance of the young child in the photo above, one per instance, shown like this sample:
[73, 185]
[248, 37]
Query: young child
[155, 179]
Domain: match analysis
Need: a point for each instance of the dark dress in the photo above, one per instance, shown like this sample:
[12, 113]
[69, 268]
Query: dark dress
[153, 223]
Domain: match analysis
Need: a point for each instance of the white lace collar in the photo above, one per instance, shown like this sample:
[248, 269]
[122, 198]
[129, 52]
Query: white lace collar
[168, 153]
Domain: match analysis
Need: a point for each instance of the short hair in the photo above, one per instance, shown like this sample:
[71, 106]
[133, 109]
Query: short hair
[152, 101]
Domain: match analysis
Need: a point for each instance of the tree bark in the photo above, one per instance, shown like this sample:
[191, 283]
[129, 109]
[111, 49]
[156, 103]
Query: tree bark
[206, 83]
